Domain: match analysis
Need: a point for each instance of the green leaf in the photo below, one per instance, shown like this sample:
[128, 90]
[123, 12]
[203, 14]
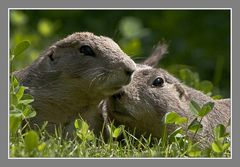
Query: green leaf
[26, 99]
[206, 109]
[195, 125]
[217, 97]
[46, 27]
[194, 150]
[195, 153]
[15, 81]
[219, 131]
[181, 120]
[117, 132]
[194, 108]
[131, 27]
[89, 136]
[186, 75]
[29, 113]
[206, 86]
[41, 147]
[13, 99]
[216, 147]
[132, 46]
[18, 18]
[21, 47]
[170, 117]
[173, 117]
[82, 126]
[15, 111]
[20, 92]
[31, 140]
[76, 124]
[226, 146]
[14, 123]
[189, 77]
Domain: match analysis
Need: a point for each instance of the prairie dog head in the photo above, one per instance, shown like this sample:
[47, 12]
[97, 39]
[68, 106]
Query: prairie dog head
[93, 63]
[143, 103]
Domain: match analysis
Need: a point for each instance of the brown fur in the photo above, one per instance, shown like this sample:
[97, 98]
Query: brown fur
[141, 106]
[66, 83]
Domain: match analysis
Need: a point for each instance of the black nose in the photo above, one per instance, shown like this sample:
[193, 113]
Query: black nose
[118, 95]
[129, 72]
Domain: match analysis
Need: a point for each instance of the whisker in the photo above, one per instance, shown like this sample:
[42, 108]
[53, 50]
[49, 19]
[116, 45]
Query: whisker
[95, 79]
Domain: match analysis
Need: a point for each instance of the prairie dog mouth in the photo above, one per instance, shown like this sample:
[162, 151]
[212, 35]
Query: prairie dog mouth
[120, 77]
[115, 86]
[117, 109]
[112, 90]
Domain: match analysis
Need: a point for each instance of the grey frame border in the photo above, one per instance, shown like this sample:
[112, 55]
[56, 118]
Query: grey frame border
[227, 9]
[140, 4]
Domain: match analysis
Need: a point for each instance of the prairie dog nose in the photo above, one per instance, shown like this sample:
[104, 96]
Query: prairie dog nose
[130, 66]
[118, 95]
[129, 71]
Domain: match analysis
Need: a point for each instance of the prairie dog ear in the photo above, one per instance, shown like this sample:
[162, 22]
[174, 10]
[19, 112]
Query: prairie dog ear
[159, 51]
[60, 44]
[67, 43]
[181, 91]
[50, 52]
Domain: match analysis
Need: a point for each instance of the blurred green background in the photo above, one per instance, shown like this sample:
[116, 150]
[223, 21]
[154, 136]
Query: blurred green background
[198, 39]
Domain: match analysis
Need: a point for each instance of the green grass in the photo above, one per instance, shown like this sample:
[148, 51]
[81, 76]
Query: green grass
[24, 142]
[41, 144]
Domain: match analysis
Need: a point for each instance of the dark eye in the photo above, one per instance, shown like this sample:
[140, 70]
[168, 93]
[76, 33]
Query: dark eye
[158, 82]
[86, 50]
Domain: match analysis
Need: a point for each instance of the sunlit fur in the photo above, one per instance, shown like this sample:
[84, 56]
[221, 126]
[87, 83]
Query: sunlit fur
[65, 83]
[142, 106]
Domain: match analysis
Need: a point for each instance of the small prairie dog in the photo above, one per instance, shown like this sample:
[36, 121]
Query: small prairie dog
[152, 93]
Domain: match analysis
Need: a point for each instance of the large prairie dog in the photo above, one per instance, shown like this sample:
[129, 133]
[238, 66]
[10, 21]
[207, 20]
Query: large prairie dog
[72, 76]
[152, 93]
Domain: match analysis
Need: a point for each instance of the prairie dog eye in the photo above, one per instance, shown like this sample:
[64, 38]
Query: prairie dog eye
[158, 82]
[86, 50]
